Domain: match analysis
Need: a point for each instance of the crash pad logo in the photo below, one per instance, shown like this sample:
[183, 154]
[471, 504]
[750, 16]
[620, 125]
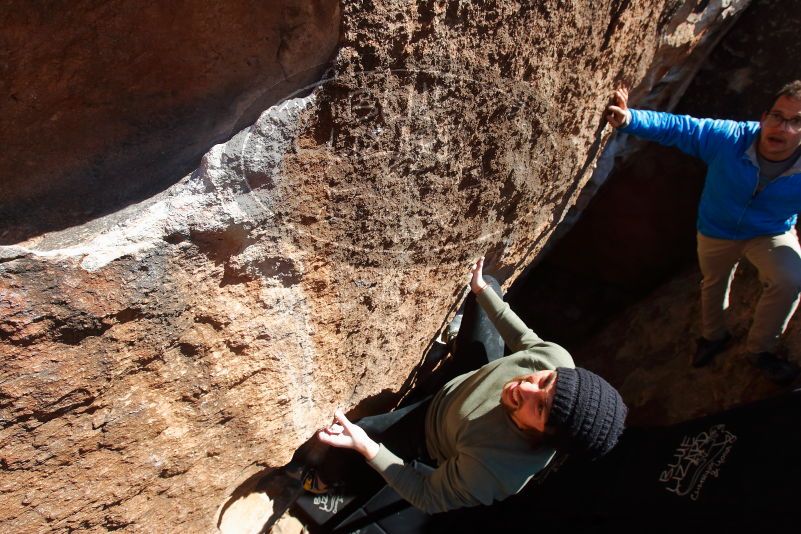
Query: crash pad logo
[696, 459]
[329, 503]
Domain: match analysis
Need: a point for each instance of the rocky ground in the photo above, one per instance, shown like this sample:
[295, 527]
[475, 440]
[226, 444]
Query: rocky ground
[646, 351]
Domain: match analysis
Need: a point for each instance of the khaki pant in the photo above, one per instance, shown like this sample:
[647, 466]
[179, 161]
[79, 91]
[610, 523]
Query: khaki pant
[778, 260]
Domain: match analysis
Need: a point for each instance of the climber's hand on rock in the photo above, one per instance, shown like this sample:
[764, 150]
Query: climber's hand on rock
[346, 435]
[618, 113]
[477, 283]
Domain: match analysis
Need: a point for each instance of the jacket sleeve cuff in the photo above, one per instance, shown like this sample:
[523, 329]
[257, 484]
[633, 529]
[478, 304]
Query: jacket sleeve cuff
[629, 119]
[384, 460]
[490, 301]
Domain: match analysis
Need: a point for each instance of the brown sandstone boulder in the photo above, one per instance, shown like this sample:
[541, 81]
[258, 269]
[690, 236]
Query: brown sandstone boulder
[107, 103]
[156, 359]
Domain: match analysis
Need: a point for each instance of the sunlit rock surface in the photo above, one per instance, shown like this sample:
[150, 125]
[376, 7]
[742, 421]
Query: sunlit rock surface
[156, 358]
[107, 103]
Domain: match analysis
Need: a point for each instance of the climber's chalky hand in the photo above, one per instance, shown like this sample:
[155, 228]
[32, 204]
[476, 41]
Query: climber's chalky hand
[346, 435]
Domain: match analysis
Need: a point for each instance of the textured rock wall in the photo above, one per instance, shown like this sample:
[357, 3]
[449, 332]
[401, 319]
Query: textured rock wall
[156, 358]
[106, 103]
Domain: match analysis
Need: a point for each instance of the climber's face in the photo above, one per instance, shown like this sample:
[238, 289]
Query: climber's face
[528, 399]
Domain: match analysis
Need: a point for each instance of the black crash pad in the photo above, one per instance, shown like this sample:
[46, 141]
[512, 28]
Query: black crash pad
[740, 468]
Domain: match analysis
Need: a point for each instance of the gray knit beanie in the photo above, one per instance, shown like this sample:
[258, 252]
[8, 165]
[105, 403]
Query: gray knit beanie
[588, 409]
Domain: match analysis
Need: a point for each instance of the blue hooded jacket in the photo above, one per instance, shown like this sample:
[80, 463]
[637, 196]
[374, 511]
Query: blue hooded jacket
[730, 206]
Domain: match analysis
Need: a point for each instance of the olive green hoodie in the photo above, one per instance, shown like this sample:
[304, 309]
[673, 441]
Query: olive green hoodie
[482, 456]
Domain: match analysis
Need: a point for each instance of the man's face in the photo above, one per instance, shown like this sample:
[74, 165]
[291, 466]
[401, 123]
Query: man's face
[779, 138]
[528, 399]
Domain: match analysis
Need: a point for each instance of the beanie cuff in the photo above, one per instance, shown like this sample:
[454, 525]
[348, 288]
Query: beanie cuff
[588, 410]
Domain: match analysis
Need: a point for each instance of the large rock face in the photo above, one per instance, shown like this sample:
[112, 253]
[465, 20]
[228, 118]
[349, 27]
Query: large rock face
[107, 103]
[156, 358]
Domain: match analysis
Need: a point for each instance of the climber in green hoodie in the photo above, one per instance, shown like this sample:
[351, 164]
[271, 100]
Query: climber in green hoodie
[488, 431]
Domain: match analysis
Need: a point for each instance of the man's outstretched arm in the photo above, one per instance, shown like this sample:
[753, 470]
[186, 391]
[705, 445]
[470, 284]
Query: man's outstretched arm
[446, 488]
[700, 138]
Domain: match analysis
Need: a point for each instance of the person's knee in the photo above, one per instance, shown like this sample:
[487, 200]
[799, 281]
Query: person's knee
[779, 268]
[794, 280]
[786, 280]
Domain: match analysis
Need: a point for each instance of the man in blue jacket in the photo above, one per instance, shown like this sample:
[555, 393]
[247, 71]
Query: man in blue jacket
[748, 208]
